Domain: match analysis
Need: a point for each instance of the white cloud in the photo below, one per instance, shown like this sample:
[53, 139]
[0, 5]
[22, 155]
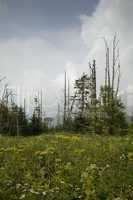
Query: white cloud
[36, 62]
[40, 62]
[110, 17]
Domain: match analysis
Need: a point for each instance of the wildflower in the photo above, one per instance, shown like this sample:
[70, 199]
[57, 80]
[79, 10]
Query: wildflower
[62, 182]
[22, 196]
[2, 149]
[43, 153]
[130, 156]
[40, 153]
[37, 153]
[33, 192]
[93, 166]
[18, 185]
[58, 160]
[76, 138]
[79, 151]
[64, 137]
[44, 193]
[107, 166]
[123, 157]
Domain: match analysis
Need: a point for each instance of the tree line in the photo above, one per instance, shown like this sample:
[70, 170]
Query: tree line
[13, 118]
[87, 110]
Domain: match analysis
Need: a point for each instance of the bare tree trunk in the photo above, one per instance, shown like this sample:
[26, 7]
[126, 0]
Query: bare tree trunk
[94, 94]
[24, 106]
[73, 101]
[65, 99]
[118, 81]
[108, 72]
[113, 67]
[68, 100]
[41, 108]
[58, 116]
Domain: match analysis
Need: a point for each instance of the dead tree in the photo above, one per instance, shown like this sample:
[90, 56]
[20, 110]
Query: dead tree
[112, 79]
[93, 95]
[65, 99]
[59, 116]
[68, 101]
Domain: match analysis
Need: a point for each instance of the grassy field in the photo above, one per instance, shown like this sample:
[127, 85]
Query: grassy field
[66, 167]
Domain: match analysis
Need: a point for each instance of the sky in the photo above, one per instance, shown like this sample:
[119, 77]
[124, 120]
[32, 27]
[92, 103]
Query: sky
[40, 39]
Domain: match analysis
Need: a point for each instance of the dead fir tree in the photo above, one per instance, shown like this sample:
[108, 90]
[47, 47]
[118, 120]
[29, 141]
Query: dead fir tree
[93, 96]
[112, 70]
[110, 90]
[65, 99]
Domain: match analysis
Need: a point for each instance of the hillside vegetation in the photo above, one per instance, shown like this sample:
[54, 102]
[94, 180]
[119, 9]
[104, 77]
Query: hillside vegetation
[66, 167]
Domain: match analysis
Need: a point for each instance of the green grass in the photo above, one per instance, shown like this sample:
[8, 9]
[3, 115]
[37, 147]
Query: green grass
[66, 167]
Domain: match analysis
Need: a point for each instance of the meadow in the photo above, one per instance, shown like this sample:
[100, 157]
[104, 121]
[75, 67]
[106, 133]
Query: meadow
[66, 167]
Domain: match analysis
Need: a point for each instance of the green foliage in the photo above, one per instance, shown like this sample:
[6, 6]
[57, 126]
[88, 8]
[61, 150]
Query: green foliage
[14, 121]
[22, 120]
[36, 125]
[130, 128]
[81, 124]
[103, 115]
[112, 112]
[4, 116]
[66, 167]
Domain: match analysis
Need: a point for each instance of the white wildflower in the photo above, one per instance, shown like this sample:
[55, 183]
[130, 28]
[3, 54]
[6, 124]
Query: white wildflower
[44, 193]
[22, 196]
